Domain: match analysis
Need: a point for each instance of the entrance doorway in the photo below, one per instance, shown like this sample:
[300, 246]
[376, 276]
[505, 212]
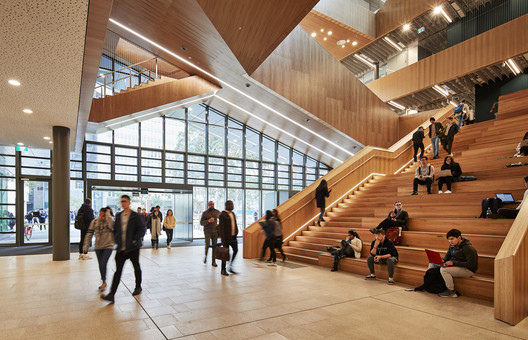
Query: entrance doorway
[36, 209]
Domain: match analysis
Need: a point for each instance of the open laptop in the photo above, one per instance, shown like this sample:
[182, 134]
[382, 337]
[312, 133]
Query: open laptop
[506, 197]
[434, 258]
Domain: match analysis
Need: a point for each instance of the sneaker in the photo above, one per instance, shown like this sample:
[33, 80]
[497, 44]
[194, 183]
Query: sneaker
[450, 155]
[137, 291]
[81, 257]
[334, 269]
[373, 230]
[390, 281]
[441, 192]
[415, 193]
[429, 193]
[273, 264]
[108, 297]
[370, 277]
[214, 264]
[448, 293]
[86, 257]
[224, 272]
[169, 246]
[284, 259]
[448, 191]
[205, 259]
[232, 271]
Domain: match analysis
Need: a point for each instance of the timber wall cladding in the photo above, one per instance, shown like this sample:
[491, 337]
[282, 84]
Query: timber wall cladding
[306, 74]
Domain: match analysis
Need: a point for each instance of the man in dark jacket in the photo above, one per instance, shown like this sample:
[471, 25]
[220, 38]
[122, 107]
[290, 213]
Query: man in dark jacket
[209, 221]
[228, 231]
[129, 229]
[450, 132]
[397, 218]
[461, 260]
[417, 138]
[434, 132]
[88, 215]
[382, 251]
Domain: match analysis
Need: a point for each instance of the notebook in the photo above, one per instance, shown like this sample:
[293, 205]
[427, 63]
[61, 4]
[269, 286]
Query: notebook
[506, 197]
[434, 258]
[444, 173]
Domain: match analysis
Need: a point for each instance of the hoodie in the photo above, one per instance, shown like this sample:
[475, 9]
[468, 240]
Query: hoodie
[463, 255]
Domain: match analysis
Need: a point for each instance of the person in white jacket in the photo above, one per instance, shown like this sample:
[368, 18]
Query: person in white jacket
[350, 247]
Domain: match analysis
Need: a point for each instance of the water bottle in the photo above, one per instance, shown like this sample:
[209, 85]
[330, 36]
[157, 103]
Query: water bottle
[488, 213]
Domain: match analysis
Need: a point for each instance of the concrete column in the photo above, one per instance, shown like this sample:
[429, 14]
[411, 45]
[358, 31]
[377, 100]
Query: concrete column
[376, 71]
[60, 193]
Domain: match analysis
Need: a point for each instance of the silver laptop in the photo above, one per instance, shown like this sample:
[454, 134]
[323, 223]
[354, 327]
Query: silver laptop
[506, 198]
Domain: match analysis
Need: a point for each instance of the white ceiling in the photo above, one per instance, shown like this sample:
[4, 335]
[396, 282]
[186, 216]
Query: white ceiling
[42, 48]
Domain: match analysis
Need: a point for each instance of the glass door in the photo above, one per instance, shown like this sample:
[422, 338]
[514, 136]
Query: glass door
[37, 211]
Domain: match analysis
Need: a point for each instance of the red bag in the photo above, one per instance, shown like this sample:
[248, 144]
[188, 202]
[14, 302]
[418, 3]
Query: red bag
[393, 234]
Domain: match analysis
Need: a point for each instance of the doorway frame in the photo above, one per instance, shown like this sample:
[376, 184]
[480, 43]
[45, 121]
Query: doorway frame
[21, 218]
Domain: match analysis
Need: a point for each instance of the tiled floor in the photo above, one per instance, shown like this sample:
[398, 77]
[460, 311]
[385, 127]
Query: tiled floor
[183, 298]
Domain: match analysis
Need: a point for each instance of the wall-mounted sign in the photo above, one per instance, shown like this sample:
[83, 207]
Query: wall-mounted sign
[421, 30]
[21, 148]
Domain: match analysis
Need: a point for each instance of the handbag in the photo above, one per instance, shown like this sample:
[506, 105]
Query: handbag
[221, 253]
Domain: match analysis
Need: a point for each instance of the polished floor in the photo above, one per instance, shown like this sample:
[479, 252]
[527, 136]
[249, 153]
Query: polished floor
[185, 299]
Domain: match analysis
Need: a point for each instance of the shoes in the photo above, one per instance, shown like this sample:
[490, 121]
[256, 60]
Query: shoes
[370, 277]
[429, 193]
[334, 269]
[373, 230]
[268, 260]
[232, 271]
[448, 293]
[318, 222]
[440, 192]
[137, 291]
[81, 257]
[214, 264]
[414, 193]
[205, 259]
[450, 155]
[169, 246]
[273, 264]
[103, 286]
[390, 281]
[86, 257]
[284, 259]
[108, 297]
[448, 191]
[224, 272]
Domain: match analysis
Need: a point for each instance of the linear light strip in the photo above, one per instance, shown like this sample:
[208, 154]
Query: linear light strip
[364, 60]
[329, 206]
[399, 106]
[276, 127]
[164, 109]
[440, 90]
[447, 17]
[228, 85]
[387, 39]
[513, 66]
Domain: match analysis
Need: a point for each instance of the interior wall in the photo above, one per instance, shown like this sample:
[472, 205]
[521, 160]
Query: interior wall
[410, 123]
[306, 74]
[486, 95]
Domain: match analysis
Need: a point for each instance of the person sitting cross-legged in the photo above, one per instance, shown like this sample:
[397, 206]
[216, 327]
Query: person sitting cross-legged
[382, 251]
[423, 175]
[350, 247]
[461, 260]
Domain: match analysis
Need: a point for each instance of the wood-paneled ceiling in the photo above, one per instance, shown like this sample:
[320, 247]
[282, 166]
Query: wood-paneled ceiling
[320, 25]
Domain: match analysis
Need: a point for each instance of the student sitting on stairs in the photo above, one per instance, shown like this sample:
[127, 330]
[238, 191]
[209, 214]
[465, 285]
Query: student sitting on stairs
[397, 218]
[423, 175]
[350, 247]
[456, 171]
[382, 251]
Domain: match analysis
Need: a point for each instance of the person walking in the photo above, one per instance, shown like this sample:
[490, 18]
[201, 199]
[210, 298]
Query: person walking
[85, 215]
[209, 221]
[103, 229]
[417, 138]
[168, 225]
[228, 231]
[450, 131]
[320, 196]
[278, 237]
[155, 228]
[434, 132]
[267, 226]
[129, 229]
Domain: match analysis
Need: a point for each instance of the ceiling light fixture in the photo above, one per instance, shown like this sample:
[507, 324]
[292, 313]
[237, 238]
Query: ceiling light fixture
[453, 103]
[364, 60]
[27, 111]
[47, 138]
[396, 105]
[14, 82]
[348, 40]
[343, 46]
[441, 90]
[229, 85]
[314, 35]
[278, 128]
[354, 43]
[439, 10]
[406, 27]
[324, 38]
[50, 142]
[329, 32]
[20, 144]
[396, 46]
[513, 66]
[322, 29]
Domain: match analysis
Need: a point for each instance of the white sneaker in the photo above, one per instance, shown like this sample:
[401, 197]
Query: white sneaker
[81, 257]
[168, 246]
[448, 191]
[450, 155]
[86, 257]
[440, 192]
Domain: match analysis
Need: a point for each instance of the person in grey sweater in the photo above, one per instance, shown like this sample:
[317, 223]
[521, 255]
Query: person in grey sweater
[423, 175]
[209, 221]
[103, 229]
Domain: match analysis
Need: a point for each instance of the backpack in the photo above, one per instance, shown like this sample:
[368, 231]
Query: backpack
[393, 234]
[433, 281]
[80, 223]
[494, 204]
[459, 108]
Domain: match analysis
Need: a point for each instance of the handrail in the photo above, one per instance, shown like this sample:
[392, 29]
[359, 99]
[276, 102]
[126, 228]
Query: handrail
[298, 211]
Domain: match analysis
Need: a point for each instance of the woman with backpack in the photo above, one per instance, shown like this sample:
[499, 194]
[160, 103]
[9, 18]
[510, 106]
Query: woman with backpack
[321, 193]
[103, 229]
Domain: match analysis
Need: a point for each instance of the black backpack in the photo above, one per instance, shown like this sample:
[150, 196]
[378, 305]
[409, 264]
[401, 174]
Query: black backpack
[494, 204]
[433, 281]
[80, 222]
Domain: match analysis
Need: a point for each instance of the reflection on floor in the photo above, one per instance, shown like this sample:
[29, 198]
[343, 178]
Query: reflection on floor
[185, 298]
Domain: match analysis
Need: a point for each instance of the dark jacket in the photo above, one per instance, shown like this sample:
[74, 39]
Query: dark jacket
[206, 215]
[401, 219]
[454, 167]
[224, 227]
[88, 212]
[453, 130]
[418, 137]
[268, 227]
[464, 255]
[320, 195]
[437, 126]
[387, 247]
[134, 232]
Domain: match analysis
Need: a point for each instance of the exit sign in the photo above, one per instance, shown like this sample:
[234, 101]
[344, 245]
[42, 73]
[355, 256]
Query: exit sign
[21, 148]
[421, 30]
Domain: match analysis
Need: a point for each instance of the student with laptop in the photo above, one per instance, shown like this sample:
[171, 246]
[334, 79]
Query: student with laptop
[461, 260]
[510, 212]
[450, 172]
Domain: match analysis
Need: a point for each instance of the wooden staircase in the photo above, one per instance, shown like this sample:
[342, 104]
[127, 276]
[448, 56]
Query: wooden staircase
[479, 149]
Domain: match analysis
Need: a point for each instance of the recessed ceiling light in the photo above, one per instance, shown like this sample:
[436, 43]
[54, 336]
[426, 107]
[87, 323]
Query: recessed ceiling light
[341, 42]
[314, 34]
[343, 46]
[354, 43]
[14, 82]
[324, 38]
[406, 27]
[348, 40]
[27, 111]
[322, 29]
[329, 32]
[47, 138]
[20, 143]
[50, 142]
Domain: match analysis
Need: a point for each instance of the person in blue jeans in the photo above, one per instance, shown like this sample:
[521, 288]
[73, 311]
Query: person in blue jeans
[434, 131]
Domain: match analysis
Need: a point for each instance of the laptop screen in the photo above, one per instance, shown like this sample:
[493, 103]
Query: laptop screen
[505, 197]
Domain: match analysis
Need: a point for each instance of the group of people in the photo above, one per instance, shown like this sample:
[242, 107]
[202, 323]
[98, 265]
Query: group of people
[272, 228]
[425, 174]
[437, 132]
